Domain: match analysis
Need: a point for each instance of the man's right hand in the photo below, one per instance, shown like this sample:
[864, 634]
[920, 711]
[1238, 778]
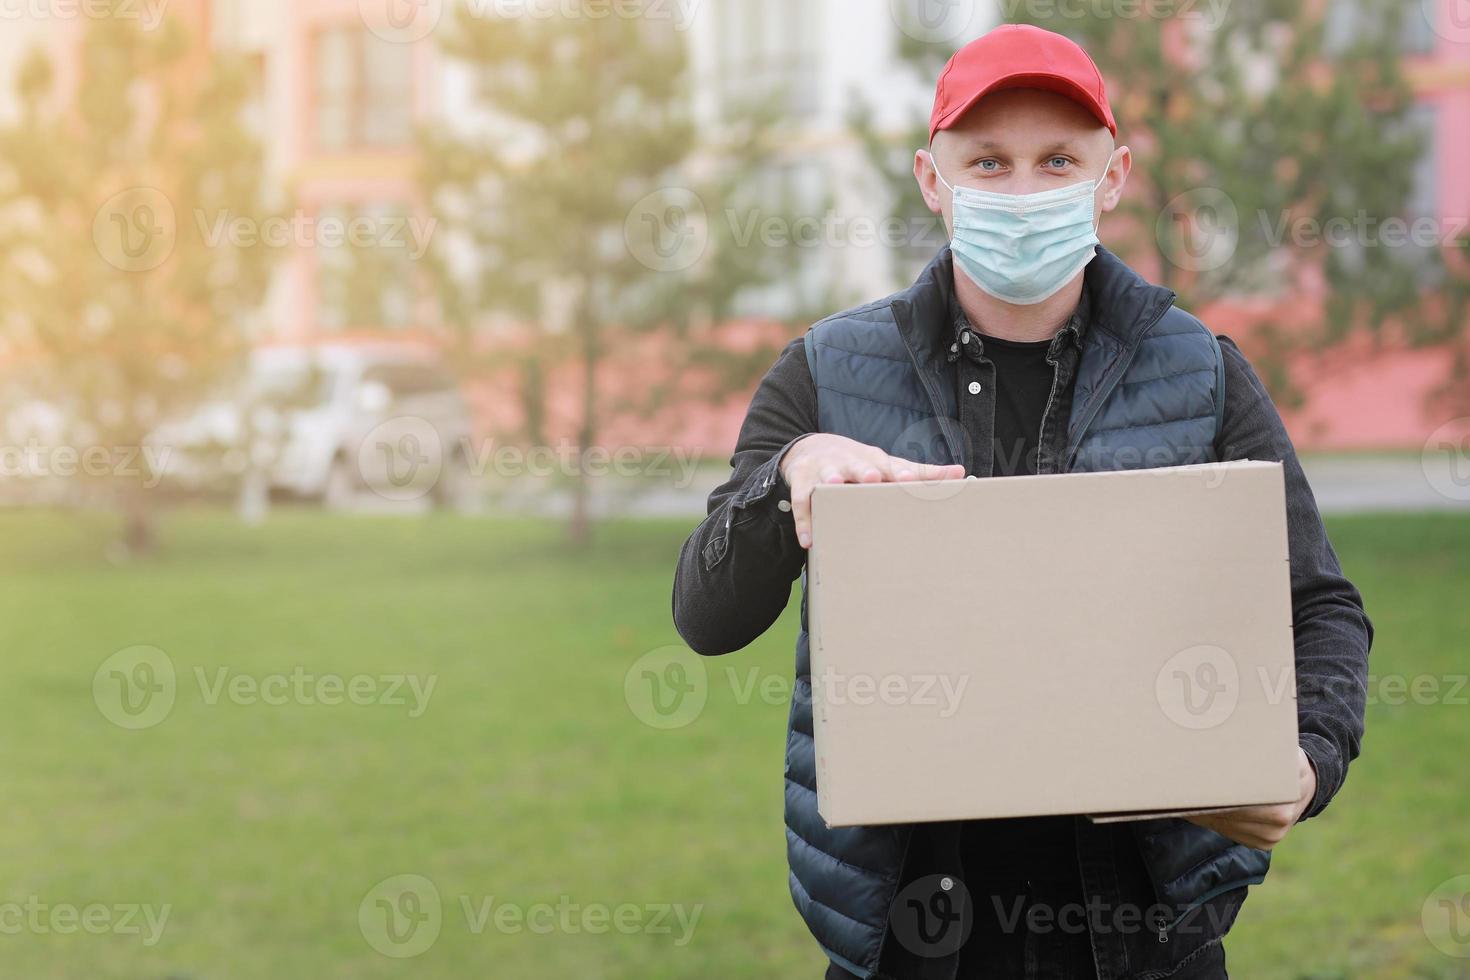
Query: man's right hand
[827, 458]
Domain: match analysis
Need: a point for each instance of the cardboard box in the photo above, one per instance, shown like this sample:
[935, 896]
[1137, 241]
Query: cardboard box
[1111, 644]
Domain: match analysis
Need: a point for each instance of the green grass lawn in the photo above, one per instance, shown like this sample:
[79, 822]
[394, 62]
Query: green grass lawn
[527, 779]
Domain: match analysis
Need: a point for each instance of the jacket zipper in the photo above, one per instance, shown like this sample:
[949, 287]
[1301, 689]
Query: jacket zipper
[1164, 930]
[1046, 413]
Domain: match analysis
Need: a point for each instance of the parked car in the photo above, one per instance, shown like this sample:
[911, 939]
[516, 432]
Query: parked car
[336, 423]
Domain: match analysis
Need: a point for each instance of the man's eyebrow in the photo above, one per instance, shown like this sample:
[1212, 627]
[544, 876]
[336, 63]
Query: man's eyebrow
[1063, 146]
[1073, 146]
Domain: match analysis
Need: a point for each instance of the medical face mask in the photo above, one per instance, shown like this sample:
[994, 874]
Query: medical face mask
[1023, 248]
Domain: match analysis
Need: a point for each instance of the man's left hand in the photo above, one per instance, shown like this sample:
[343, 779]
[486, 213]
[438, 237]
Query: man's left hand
[1264, 827]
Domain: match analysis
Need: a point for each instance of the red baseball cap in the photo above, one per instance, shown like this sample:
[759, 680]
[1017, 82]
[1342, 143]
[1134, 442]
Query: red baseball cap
[1018, 56]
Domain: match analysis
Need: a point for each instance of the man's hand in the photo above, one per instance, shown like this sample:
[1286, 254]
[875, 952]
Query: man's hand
[1264, 827]
[826, 458]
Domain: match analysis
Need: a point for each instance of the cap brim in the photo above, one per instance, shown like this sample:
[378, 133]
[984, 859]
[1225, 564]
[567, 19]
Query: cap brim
[1038, 80]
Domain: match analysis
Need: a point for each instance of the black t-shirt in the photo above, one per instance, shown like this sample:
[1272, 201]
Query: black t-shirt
[1034, 857]
[1009, 865]
[1023, 381]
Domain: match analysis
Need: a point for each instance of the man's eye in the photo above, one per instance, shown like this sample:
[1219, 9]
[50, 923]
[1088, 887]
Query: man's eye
[1058, 163]
[989, 165]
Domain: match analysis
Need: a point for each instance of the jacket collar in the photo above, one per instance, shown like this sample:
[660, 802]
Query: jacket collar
[1121, 305]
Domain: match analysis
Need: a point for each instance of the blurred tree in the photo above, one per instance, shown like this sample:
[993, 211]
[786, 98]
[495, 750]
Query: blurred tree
[1271, 149]
[594, 211]
[123, 276]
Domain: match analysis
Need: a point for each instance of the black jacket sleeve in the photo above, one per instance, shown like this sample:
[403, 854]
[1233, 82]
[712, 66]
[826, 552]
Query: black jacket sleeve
[1332, 632]
[735, 571]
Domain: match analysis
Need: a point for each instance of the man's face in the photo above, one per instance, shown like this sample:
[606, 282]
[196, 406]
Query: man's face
[1022, 141]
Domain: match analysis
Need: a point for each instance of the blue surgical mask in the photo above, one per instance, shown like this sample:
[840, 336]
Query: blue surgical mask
[1023, 248]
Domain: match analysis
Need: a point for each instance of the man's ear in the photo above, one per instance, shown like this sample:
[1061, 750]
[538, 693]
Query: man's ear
[1116, 178]
[928, 179]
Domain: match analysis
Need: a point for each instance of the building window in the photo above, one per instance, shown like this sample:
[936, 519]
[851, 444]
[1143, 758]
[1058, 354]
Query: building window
[769, 56]
[1348, 23]
[363, 89]
[366, 277]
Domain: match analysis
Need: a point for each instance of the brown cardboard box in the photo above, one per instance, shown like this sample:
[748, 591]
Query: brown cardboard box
[1113, 644]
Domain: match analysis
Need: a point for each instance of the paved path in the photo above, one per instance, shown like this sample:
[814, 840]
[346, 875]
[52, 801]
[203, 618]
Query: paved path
[1342, 484]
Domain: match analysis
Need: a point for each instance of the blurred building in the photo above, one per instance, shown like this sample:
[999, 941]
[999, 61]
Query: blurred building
[342, 87]
[1371, 396]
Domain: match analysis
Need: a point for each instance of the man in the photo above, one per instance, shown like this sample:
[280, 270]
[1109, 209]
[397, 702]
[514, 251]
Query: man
[1023, 348]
